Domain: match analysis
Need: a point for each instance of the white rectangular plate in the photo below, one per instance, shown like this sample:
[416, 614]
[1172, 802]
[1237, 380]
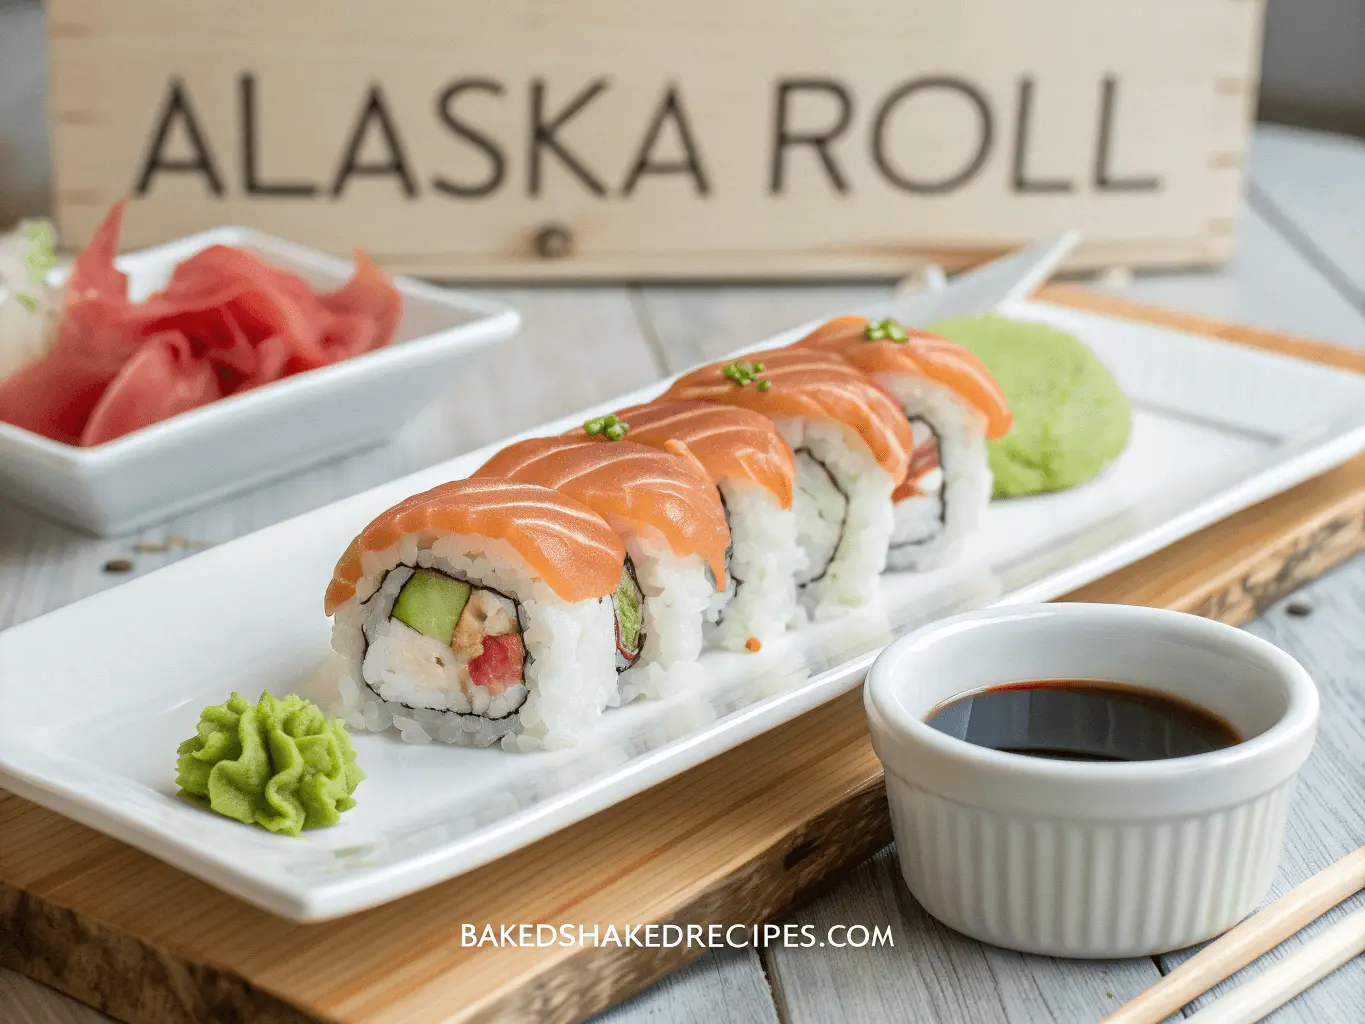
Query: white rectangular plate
[96, 696]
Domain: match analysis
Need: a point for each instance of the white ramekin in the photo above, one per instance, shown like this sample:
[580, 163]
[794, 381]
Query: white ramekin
[1085, 859]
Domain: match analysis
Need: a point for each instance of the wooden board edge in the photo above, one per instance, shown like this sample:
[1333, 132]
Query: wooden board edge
[132, 980]
[121, 975]
[1327, 514]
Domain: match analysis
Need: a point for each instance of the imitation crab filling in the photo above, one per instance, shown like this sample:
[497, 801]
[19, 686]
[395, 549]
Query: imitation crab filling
[460, 644]
[628, 604]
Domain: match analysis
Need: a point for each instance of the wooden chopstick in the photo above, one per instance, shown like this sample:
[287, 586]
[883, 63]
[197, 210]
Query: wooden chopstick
[1276, 985]
[1238, 947]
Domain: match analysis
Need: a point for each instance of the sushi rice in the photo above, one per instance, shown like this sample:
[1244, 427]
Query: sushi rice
[677, 592]
[765, 557]
[931, 526]
[843, 515]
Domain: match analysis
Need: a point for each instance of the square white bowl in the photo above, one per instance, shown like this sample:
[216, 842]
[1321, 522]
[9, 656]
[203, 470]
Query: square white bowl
[268, 432]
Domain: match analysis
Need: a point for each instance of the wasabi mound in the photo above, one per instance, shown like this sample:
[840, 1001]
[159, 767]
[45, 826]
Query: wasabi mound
[279, 763]
[1070, 418]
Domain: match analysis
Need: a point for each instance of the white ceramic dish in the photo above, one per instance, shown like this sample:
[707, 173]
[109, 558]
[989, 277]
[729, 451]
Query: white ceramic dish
[1075, 858]
[244, 440]
[1217, 427]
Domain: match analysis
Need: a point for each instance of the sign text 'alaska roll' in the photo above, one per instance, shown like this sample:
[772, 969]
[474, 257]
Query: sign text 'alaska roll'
[610, 139]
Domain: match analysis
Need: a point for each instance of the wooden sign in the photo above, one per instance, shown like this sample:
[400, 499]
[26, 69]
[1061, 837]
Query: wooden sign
[610, 138]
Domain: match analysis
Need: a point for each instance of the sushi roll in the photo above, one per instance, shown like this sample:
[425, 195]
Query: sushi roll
[669, 516]
[479, 611]
[852, 449]
[954, 406]
[751, 465]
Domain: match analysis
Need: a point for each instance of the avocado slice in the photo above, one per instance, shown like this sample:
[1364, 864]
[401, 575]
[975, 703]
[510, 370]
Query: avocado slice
[431, 602]
[629, 603]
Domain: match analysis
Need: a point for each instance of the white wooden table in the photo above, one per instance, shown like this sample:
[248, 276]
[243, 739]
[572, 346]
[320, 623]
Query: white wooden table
[1300, 268]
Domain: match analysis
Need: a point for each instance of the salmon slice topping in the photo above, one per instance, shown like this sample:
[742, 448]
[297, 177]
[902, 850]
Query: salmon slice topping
[627, 483]
[808, 383]
[567, 545]
[730, 443]
[920, 354]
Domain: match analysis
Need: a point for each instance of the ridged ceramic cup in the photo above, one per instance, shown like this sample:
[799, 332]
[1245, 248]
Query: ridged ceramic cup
[1085, 859]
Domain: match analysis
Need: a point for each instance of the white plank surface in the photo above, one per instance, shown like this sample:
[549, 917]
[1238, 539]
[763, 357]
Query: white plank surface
[689, 324]
[930, 972]
[1313, 186]
[1270, 283]
[720, 987]
[26, 1002]
[1327, 816]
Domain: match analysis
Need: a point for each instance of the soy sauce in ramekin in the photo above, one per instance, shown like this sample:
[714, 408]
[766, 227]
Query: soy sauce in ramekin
[1082, 720]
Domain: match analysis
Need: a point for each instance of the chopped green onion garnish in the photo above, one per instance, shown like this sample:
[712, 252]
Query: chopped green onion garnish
[745, 373]
[609, 426]
[28, 302]
[886, 330]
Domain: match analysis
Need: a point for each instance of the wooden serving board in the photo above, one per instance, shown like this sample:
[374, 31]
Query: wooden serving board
[736, 840]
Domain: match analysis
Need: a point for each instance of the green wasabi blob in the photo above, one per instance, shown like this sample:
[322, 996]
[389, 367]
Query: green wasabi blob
[1070, 418]
[279, 763]
[431, 603]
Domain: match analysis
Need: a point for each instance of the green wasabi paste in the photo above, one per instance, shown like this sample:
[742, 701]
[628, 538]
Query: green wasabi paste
[1070, 417]
[279, 763]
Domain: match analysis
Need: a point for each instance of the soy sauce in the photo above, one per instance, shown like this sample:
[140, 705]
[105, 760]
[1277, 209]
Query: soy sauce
[1082, 720]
